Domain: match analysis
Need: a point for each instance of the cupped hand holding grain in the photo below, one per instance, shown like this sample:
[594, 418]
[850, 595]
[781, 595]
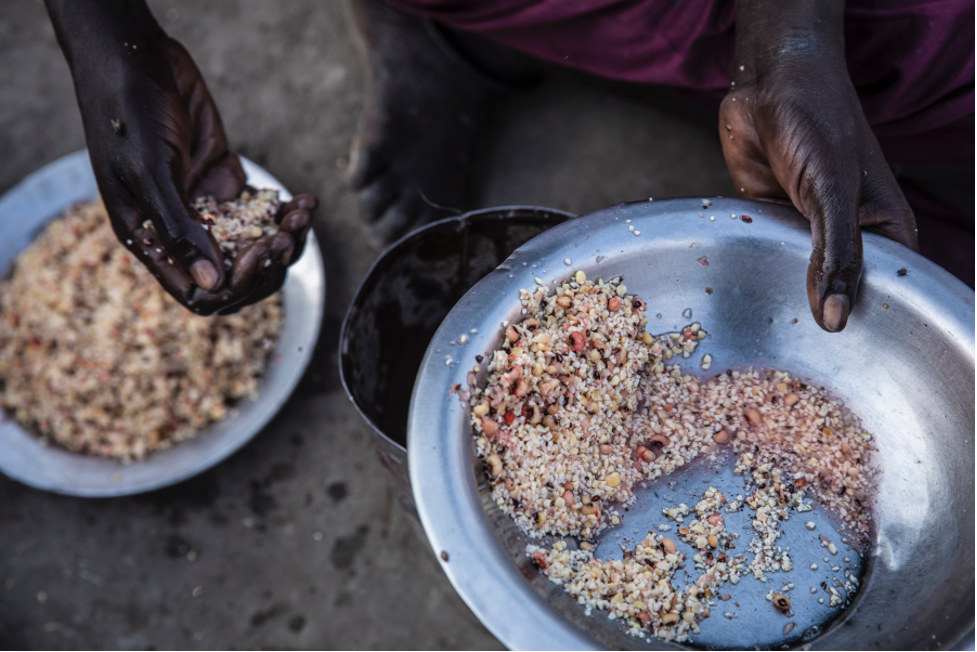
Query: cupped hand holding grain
[96, 357]
[156, 140]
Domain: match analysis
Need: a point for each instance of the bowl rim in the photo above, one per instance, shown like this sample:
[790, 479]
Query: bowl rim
[47, 193]
[440, 462]
[458, 221]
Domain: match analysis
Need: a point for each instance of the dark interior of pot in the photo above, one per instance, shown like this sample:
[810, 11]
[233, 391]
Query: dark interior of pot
[407, 294]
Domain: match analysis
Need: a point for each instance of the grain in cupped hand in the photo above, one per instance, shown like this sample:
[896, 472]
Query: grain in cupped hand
[581, 403]
[97, 358]
[241, 221]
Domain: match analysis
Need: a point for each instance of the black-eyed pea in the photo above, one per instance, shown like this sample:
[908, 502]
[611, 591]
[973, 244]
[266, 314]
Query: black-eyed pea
[494, 463]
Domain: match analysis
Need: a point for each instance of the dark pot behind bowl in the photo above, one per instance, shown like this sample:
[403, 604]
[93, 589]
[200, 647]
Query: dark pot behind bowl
[402, 301]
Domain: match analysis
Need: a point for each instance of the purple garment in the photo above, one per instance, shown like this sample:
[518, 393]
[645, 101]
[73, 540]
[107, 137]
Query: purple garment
[912, 61]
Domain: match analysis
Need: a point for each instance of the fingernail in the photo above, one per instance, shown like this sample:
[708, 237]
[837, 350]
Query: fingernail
[286, 256]
[307, 202]
[834, 312]
[204, 274]
[297, 219]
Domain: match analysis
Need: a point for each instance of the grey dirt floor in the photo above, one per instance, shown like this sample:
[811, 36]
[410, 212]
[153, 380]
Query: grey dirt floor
[296, 541]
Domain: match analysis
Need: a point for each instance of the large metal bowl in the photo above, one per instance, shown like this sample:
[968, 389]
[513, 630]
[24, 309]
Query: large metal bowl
[904, 365]
[44, 195]
[399, 305]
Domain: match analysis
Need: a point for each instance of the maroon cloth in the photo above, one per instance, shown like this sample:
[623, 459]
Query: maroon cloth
[946, 236]
[912, 61]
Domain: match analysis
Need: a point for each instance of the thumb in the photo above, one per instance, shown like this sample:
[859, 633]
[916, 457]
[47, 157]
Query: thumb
[829, 197]
[184, 235]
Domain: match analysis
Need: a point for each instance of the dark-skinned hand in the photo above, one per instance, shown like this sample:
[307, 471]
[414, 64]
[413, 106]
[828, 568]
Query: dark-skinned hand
[156, 140]
[793, 130]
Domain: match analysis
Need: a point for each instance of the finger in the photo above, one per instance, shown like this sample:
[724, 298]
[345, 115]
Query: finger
[819, 172]
[296, 221]
[376, 198]
[270, 281]
[884, 208]
[745, 156]
[225, 180]
[299, 236]
[295, 218]
[147, 248]
[297, 225]
[139, 237]
[223, 302]
[258, 272]
[402, 217]
[261, 268]
[282, 248]
[305, 201]
[119, 204]
[206, 303]
[367, 164]
[829, 197]
[250, 263]
[183, 235]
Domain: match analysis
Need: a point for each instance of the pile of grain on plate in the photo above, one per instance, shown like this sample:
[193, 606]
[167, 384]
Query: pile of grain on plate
[241, 221]
[96, 357]
[581, 403]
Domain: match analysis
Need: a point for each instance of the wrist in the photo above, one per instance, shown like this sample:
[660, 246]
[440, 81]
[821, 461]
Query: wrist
[93, 32]
[775, 35]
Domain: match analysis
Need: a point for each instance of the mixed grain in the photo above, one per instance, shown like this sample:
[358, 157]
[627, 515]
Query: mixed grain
[241, 221]
[581, 404]
[96, 357]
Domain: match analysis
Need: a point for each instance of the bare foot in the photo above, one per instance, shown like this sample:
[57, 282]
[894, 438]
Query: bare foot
[418, 132]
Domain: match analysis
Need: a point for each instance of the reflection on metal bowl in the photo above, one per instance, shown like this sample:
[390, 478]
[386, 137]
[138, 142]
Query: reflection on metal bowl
[904, 365]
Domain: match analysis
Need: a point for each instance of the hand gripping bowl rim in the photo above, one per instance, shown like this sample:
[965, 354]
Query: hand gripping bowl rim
[443, 472]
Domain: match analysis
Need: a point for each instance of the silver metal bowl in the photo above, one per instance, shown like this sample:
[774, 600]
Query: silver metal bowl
[24, 210]
[399, 305]
[904, 365]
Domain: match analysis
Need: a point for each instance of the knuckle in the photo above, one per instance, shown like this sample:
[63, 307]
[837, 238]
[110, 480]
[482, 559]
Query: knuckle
[732, 106]
[307, 201]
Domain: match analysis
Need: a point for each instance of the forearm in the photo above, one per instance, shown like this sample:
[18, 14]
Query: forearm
[775, 34]
[86, 27]
[113, 49]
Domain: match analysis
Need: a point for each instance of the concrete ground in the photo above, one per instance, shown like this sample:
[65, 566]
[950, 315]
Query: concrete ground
[296, 541]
